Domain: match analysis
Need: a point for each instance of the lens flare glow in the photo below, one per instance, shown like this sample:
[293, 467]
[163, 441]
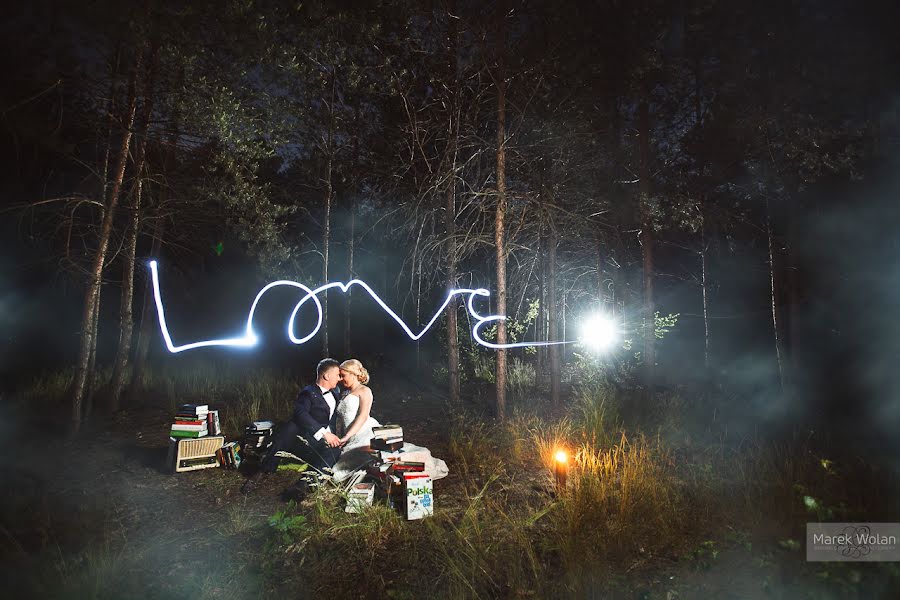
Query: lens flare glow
[250, 339]
[561, 456]
[598, 332]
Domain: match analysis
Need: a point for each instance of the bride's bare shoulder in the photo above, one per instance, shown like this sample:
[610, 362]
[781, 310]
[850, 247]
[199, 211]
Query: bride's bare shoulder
[364, 391]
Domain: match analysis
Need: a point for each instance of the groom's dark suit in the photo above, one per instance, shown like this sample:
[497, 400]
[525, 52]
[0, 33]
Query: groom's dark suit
[311, 414]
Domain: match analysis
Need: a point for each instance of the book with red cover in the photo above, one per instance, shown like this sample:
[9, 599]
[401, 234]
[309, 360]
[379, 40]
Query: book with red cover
[408, 467]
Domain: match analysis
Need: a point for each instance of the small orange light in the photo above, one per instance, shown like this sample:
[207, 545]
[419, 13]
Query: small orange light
[561, 470]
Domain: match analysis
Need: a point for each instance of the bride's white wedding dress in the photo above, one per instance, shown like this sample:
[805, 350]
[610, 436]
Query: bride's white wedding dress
[347, 409]
[355, 453]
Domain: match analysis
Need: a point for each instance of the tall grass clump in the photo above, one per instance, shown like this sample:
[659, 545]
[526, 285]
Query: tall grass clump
[597, 412]
[479, 550]
[520, 378]
[243, 395]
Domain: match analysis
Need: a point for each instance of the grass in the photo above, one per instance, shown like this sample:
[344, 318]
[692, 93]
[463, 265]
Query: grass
[632, 499]
[637, 502]
[244, 394]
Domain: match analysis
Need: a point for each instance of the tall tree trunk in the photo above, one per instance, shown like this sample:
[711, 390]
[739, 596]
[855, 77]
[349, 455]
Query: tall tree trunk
[453, 306]
[450, 219]
[418, 275]
[126, 307]
[104, 188]
[351, 247]
[540, 324]
[704, 261]
[91, 383]
[773, 293]
[704, 282]
[601, 295]
[144, 334]
[553, 314]
[92, 294]
[646, 239]
[329, 196]
[500, 222]
[792, 289]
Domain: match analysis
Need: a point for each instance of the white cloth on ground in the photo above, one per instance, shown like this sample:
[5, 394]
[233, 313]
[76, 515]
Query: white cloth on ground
[355, 459]
[355, 453]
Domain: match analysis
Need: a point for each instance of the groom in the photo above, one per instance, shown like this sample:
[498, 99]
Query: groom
[313, 421]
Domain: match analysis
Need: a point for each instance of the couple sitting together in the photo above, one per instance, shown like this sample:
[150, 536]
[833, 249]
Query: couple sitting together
[331, 427]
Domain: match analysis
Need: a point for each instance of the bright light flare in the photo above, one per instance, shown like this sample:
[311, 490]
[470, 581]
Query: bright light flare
[598, 333]
[561, 456]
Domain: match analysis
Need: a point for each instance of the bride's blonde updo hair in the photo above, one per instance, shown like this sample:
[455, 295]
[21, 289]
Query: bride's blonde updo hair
[355, 367]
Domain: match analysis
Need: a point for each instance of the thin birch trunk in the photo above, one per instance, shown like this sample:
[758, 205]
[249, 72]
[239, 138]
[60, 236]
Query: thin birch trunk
[646, 239]
[349, 300]
[91, 383]
[92, 294]
[553, 314]
[126, 310]
[540, 324]
[142, 348]
[450, 221]
[704, 282]
[773, 296]
[329, 196]
[500, 223]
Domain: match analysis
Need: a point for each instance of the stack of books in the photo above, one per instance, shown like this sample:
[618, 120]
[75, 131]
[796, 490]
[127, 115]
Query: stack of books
[360, 496]
[258, 436]
[212, 423]
[403, 484]
[191, 421]
[229, 455]
[387, 438]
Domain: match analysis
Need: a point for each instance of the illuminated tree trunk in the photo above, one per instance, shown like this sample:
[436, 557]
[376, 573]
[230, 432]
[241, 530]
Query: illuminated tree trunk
[553, 315]
[704, 262]
[773, 296]
[540, 324]
[351, 242]
[350, 249]
[142, 348]
[126, 310]
[329, 196]
[646, 239]
[704, 282]
[450, 222]
[500, 222]
[90, 385]
[104, 187]
[92, 294]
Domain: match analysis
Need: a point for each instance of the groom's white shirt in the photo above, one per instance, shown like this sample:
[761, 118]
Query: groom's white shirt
[329, 399]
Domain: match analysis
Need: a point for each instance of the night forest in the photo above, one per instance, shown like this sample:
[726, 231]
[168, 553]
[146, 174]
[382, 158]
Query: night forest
[715, 182]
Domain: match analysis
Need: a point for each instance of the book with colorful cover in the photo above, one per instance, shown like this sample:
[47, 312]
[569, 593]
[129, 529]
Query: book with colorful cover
[419, 490]
[190, 428]
[213, 424]
[187, 434]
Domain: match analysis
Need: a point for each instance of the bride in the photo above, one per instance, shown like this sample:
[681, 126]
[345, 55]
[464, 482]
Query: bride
[354, 425]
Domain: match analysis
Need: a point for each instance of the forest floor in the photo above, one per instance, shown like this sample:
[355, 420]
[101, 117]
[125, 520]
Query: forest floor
[100, 516]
